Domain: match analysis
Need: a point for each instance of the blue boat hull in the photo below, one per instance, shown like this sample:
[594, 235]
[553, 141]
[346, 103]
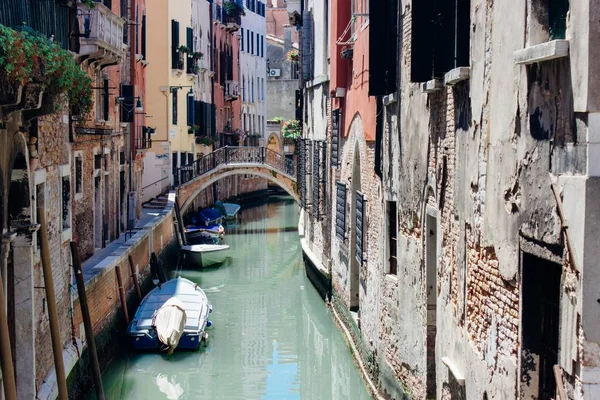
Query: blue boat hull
[189, 341]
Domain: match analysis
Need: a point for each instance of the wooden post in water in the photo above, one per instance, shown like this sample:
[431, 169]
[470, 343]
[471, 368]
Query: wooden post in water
[180, 222]
[59, 366]
[6, 361]
[134, 276]
[122, 294]
[87, 323]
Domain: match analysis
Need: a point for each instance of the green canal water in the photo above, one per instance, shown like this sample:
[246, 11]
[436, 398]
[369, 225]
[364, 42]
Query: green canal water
[272, 336]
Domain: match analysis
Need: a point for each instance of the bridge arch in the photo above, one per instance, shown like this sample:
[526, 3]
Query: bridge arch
[229, 161]
[188, 192]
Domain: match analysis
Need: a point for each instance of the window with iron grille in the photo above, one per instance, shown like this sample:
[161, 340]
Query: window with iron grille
[392, 218]
[302, 171]
[335, 138]
[66, 202]
[360, 225]
[316, 176]
[78, 174]
[340, 210]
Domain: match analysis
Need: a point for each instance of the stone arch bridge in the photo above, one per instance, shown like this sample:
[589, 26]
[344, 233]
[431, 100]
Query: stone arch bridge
[228, 161]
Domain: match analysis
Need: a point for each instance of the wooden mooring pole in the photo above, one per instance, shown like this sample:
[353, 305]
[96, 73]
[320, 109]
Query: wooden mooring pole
[87, 322]
[122, 294]
[134, 276]
[8, 369]
[59, 366]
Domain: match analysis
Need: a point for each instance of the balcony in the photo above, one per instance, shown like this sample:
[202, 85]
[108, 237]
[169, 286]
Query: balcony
[232, 90]
[232, 24]
[102, 34]
[144, 140]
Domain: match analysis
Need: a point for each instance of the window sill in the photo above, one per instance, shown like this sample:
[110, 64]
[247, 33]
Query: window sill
[66, 235]
[460, 379]
[432, 86]
[390, 99]
[456, 75]
[542, 52]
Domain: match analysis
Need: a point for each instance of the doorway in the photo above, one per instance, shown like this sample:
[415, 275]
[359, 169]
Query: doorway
[355, 259]
[97, 214]
[540, 322]
[431, 260]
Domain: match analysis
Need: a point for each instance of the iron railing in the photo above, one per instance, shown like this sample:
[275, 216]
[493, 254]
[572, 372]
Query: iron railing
[235, 155]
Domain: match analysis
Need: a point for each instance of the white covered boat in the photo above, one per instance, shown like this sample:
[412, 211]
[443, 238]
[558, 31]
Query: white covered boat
[172, 316]
[205, 255]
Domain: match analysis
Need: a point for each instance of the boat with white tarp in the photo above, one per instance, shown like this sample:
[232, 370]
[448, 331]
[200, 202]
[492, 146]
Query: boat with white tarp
[174, 315]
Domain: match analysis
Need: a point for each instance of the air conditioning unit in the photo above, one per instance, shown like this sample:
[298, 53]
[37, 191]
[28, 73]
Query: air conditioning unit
[275, 72]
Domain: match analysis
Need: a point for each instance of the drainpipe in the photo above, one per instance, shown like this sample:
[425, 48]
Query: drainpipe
[6, 358]
[132, 134]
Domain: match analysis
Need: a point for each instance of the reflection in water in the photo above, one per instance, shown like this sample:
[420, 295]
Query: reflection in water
[272, 335]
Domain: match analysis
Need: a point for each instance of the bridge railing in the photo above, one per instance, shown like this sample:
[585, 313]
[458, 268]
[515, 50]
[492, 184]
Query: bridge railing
[235, 155]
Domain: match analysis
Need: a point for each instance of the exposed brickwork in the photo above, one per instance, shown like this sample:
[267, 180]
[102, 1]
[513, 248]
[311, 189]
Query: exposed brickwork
[492, 303]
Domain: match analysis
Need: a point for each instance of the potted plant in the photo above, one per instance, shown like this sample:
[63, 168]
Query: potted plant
[233, 9]
[291, 129]
[293, 55]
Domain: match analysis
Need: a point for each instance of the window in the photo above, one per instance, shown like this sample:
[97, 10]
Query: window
[97, 161]
[40, 198]
[440, 37]
[295, 70]
[174, 44]
[251, 42]
[242, 39]
[174, 100]
[335, 138]
[360, 225]
[66, 202]
[340, 211]
[78, 174]
[392, 219]
[144, 36]
[364, 5]
[383, 46]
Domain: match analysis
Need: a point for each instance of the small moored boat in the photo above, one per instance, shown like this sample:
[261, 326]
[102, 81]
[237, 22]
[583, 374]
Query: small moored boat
[205, 255]
[196, 234]
[172, 316]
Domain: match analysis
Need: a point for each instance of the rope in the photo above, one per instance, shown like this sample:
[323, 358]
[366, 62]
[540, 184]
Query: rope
[339, 41]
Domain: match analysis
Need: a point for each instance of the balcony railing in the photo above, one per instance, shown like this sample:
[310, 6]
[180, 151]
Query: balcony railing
[144, 139]
[102, 32]
[232, 90]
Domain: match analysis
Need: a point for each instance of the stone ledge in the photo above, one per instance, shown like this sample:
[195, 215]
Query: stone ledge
[390, 99]
[432, 86]
[460, 378]
[542, 52]
[456, 75]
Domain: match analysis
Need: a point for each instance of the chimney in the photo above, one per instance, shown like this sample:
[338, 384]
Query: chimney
[287, 38]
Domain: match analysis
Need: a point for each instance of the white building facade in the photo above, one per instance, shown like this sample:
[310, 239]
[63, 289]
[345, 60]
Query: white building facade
[253, 72]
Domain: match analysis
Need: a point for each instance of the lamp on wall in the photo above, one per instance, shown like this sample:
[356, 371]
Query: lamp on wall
[139, 107]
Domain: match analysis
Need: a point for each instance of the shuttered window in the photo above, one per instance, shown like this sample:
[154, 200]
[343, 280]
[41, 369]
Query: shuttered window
[190, 46]
[335, 138]
[174, 105]
[361, 203]
[440, 37]
[383, 47]
[105, 102]
[144, 36]
[191, 110]
[174, 44]
[302, 172]
[306, 49]
[340, 210]
[316, 176]
[127, 105]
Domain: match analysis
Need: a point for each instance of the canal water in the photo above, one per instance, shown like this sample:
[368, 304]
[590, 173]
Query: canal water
[272, 336]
